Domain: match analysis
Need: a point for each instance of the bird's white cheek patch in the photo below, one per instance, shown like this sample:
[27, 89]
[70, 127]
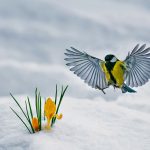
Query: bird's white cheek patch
[114, 59]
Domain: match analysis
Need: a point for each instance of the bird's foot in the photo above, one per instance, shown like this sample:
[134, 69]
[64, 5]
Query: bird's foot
[115, 86]
[100, 89]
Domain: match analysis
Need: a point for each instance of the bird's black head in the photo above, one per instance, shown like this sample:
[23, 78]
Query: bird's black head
[110, 58]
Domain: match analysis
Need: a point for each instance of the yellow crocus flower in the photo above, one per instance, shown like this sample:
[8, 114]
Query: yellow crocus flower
[50, 111]
[35, 124]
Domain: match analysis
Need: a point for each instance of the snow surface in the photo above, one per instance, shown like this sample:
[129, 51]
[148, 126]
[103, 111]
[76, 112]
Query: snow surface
[87, 124]
[33, 37]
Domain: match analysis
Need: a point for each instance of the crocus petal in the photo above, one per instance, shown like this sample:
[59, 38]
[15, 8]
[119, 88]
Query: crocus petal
[59, 116]
[49, 108]
[35, 124]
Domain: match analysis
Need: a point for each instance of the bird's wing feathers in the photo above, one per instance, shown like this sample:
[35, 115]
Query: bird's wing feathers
[86, 67]
[138, 66]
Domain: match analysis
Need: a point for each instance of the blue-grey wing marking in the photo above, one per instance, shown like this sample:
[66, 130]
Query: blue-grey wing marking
[138, 66]
[86, 67]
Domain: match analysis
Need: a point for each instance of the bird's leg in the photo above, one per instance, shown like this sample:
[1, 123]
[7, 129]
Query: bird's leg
[100, 89]
[115, 86]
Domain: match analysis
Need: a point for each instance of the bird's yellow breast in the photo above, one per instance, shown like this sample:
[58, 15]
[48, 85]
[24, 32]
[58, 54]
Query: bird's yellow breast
[117, 72]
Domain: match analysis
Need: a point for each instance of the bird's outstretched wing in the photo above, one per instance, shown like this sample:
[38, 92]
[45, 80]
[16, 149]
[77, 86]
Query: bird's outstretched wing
[137, 66]
[87, 68]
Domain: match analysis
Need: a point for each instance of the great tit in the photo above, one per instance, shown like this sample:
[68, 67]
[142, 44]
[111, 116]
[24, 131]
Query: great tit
[134, 71]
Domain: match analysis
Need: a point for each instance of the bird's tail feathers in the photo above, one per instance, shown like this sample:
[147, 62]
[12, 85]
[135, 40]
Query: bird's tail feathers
[126, 88]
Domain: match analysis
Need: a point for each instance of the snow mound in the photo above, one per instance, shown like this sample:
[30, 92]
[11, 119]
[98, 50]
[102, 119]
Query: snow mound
[87, 124]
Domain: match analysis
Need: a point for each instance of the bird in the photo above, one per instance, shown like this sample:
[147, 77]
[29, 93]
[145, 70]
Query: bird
[133, 71]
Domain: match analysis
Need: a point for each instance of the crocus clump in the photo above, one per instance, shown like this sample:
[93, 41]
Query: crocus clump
[33, 123]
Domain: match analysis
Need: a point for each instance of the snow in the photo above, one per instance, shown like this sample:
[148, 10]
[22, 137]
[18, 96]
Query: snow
[33, 37]
[87, 124]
